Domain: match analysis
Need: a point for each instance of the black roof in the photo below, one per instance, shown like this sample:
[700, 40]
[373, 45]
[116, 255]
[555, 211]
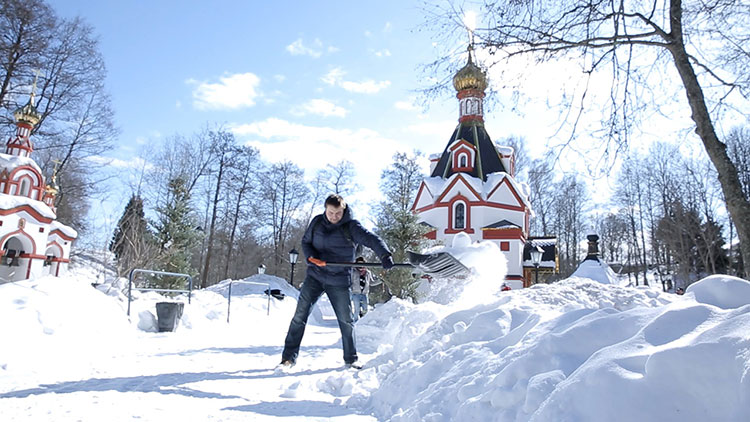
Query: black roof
[501, 224]
[487, 160]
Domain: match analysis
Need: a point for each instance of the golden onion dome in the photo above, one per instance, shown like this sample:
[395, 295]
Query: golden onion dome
[51, 190]
[28, 113]
[470, 77]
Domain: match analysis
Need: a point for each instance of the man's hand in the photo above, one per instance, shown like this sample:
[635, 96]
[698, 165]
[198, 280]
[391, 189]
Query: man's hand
[316, 261]
[387, 262]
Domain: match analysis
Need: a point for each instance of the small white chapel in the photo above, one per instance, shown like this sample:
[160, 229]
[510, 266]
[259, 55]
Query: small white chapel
[33, 243]
[472, 187]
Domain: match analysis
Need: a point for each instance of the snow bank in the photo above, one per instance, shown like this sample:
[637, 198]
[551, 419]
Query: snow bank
[577, 350]
[723, 291]
[597, 271]
[574, 350]
[63, 315]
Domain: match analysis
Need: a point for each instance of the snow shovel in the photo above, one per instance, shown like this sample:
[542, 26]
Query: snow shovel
[440, 264]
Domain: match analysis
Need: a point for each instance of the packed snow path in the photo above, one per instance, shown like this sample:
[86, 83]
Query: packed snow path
[576, 350]
[188, 377]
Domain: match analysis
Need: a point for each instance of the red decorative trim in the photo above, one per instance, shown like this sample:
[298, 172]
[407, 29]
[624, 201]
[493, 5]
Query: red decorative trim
[505, 246]
[19, 231]
[471, 117]
[467, 217]
[418, 197]
[62, 235]
[474, 204]
[470, 93]
[27, 208]
[505, 234]
[462, 143]
[512, 190]
[431, 234]
[453, 183]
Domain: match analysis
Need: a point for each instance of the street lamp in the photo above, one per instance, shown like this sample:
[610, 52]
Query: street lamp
[261, 269]
[293, 255]
[536, 258]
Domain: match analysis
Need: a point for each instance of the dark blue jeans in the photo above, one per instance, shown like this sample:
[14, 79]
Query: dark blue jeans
[311, 291]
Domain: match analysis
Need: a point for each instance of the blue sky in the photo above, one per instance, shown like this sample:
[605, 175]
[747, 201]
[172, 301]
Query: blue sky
[329, 80]
[314, 82]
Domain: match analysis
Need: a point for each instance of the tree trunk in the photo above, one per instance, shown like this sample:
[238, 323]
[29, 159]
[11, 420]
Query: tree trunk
[204, 276]
[737, 204]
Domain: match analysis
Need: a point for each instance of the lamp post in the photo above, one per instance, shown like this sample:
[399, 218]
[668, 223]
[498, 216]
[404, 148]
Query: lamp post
[536, 258]
[261, 269]
[293, 255]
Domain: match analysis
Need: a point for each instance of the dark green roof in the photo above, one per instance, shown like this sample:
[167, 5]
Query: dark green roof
[487, 160]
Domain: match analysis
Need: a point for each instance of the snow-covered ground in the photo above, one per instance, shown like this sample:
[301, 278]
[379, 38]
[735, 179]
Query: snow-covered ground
[577, 350]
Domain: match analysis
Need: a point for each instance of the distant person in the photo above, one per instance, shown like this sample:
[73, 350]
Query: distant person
[331, 237]
[362, 279]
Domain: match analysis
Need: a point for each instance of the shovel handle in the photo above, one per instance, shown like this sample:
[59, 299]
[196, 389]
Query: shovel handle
[365, 264]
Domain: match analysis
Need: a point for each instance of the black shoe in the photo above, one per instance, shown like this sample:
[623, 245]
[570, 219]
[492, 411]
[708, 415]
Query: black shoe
[354, 365]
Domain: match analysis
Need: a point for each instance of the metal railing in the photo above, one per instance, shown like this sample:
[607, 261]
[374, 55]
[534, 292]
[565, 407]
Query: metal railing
[229, 295]
[153, 272]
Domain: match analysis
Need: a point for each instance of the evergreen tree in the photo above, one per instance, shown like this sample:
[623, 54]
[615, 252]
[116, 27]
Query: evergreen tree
[396, 224]
[132, 243]
[176, 234]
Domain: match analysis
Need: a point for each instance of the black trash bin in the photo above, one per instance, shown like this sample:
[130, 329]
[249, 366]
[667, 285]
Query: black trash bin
[168, 314]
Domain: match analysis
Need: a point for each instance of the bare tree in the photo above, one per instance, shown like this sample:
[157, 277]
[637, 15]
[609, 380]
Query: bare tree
[242, 177]
[223, 146]
[637, 42]
[571, 197]
[542, 196]
[284, 192]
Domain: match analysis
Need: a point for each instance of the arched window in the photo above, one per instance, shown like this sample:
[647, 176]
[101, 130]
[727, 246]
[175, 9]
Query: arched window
[462, 161]
[25, 186]
[459, 216]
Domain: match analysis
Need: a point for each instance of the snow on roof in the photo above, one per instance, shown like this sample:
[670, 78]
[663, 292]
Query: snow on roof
[8, 202]
[10, 162]
[66, 230]
[504, 149]
[436, 156]
[597, 271]
[436, 184]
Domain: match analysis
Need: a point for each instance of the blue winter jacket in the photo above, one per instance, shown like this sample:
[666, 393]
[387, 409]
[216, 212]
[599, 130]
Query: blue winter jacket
[327, 241]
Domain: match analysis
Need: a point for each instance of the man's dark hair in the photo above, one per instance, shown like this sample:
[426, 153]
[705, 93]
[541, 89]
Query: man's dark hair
[335, 200]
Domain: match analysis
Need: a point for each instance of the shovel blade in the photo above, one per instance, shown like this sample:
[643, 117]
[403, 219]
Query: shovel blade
[440, 264]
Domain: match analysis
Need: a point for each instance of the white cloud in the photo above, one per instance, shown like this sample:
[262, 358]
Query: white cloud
[134, 163]
[314, 147]
[336, 77]
[407, 105]
[438, 130]
[368, 34]
[231, 92]
[279, 78]
[298, 48]
[320, 107]
[387, 27]
[383, 53]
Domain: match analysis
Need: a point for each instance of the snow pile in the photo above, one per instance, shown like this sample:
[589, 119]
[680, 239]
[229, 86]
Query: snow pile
[597, 271]
[575, 350]
[723, 291]
[52, 320]
[488, 270]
